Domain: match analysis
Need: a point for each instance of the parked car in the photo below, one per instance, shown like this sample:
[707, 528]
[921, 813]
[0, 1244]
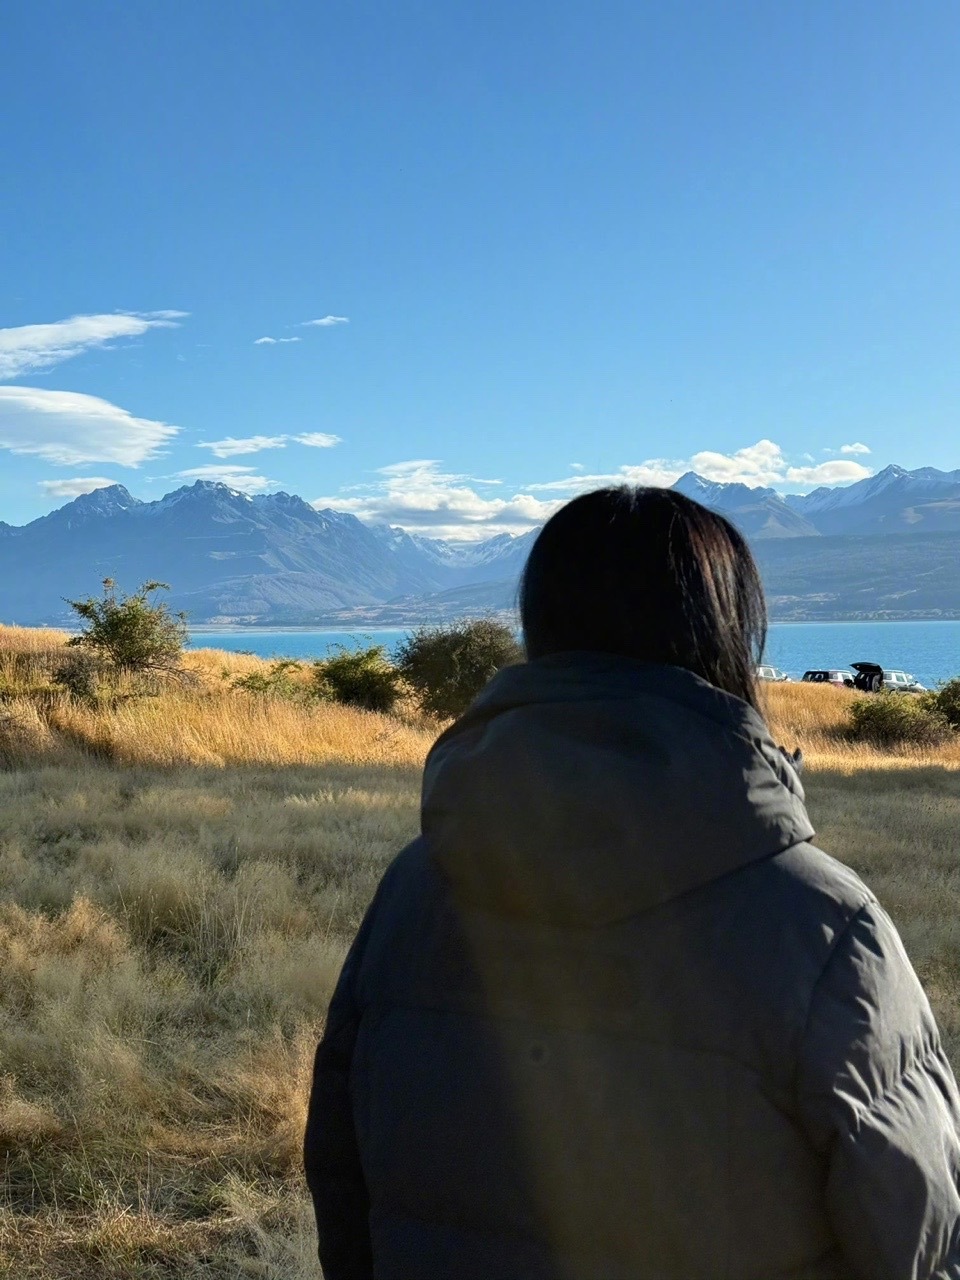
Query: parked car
[869, 677]
[900, 682]
[771, 673]
[829, 675]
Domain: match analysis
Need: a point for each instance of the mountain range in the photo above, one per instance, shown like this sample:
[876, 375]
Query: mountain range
[885, 546]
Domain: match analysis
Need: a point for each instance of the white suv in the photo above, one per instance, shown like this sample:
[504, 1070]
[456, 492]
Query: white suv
[900, 682]
[771, 673]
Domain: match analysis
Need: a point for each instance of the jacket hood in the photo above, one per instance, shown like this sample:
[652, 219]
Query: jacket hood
[583, 788]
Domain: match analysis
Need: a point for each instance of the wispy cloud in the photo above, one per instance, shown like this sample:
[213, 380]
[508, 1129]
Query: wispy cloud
[72, 429]
[233, 447]
[74, 488]
[855, 448]
[317, 439]
[326, 322]
[243, 479]
[32, 347]
[273, 342]
[422, 498]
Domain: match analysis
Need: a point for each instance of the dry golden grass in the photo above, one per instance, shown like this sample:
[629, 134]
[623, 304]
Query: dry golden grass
[31, 639]
[814, 716]
[169, 939]
[180, 876]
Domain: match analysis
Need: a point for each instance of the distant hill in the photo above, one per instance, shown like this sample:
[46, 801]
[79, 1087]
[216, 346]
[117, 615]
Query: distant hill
[806, 579]
[886, 546]
[862, 576]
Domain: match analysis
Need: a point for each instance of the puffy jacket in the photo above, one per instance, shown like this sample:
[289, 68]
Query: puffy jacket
[613, 1017]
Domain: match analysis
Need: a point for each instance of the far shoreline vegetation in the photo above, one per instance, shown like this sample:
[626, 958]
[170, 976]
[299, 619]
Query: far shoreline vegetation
[408, 622]
[185, 859]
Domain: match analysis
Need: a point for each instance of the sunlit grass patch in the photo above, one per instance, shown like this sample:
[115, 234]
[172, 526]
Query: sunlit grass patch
[181, 874]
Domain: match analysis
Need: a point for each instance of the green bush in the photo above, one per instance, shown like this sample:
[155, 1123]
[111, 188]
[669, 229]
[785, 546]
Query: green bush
[946, 700]
[897, 719]
[359, 678]
[446, 667]
[279, 681]
[131, 633]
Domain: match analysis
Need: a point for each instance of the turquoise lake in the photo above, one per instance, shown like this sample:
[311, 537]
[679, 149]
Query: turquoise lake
[928, 650]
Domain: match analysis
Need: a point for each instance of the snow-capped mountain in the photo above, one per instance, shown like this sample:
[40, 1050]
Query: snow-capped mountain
[273, 558]
[892, 501]
[268, 557]
[759, 513]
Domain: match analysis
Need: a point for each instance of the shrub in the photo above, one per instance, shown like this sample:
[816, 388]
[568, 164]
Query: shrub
[278, 681]
[359, 678]
[946, 700]
[896, 719]
[446, 667]
[131, 632]
[80, 673]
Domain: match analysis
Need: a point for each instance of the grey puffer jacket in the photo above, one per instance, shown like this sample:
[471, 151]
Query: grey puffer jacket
[613, 1017]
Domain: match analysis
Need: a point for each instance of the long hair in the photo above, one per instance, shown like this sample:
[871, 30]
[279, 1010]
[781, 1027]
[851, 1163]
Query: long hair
[647, 574]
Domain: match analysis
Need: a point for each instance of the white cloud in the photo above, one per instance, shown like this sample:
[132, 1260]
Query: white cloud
[273, 342]
[72, 429]
[422, 498]
[756, 465]
[243, 479]
[41, 346]
[826, 473]
[325, 322]
[74, 488]
[232, 447]
[855, 448]
[760, 465]
[317, 439]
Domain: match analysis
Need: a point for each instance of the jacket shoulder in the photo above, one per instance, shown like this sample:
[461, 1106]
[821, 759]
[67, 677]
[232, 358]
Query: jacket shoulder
[411, 904]
[763, 936]
[810, 885]
[411, 874]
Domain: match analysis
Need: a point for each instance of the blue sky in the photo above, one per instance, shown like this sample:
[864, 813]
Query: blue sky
[550, 242]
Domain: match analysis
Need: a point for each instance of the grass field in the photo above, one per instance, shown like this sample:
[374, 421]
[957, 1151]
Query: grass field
[179, 878]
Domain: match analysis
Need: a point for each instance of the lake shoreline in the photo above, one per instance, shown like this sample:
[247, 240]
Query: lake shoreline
[928, 648]
[349, 628]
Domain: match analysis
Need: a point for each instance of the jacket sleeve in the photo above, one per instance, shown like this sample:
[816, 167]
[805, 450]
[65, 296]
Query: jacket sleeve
[879, 1100]
[331, 1154]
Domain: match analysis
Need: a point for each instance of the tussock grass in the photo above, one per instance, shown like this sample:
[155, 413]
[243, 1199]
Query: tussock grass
[31, 639]
[816, 718]
[169, 940]
[180, 876]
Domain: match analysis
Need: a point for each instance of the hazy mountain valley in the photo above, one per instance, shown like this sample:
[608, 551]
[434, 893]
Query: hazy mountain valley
[885, 546]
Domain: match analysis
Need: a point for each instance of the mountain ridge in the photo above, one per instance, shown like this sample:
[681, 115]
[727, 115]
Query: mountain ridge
[267, 558]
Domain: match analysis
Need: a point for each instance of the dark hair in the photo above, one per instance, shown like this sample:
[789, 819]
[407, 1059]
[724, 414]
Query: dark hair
[647, 574]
